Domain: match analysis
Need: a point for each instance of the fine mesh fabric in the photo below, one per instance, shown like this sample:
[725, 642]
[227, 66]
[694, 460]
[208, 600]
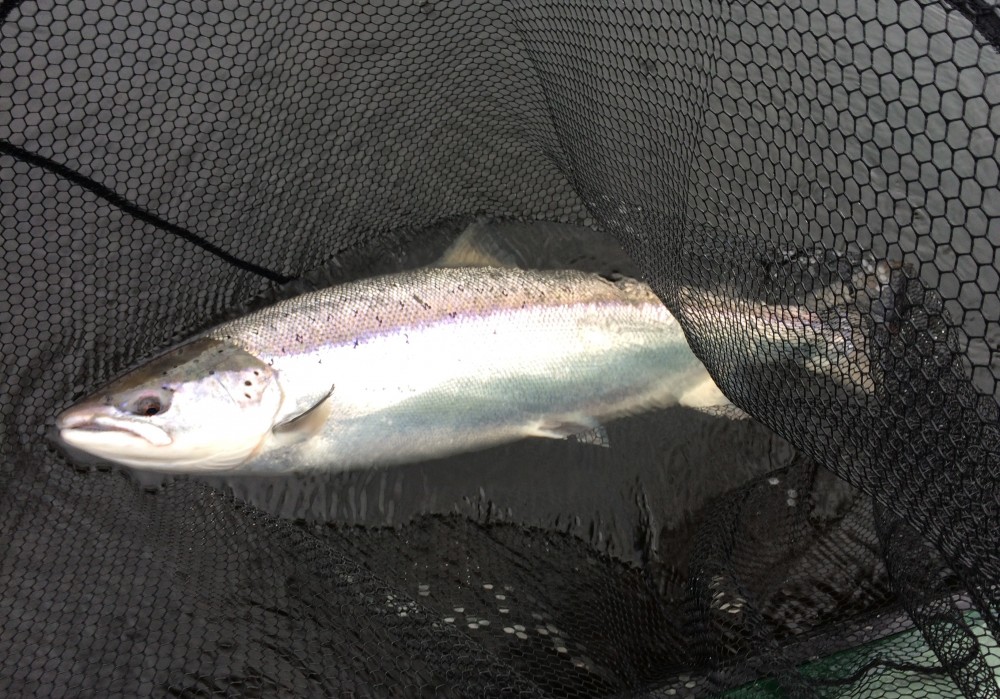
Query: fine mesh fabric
[165, 164]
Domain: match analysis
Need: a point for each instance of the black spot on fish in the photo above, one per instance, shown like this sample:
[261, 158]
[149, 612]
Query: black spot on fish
[355, 344]
[247, 395]
[426, 306]
[256, 373]
[211, 373]
[248, 383]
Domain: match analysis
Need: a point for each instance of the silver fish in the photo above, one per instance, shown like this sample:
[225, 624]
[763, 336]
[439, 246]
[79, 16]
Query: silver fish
[398, 368]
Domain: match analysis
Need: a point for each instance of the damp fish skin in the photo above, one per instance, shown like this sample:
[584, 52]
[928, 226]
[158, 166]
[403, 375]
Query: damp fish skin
[398, 368]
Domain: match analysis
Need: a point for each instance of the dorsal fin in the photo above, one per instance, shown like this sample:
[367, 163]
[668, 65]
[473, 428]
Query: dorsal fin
[478, 246]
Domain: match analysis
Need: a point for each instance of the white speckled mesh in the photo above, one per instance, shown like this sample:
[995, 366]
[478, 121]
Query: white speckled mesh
[164, 164]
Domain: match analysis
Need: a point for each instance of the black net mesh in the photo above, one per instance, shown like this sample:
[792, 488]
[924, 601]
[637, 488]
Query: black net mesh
[163, 165]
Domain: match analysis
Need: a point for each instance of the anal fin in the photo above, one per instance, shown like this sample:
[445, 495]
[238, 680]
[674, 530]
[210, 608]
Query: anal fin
[582, 428]
[597, 437]
[726, 410]
[706, 397]
[479, 245]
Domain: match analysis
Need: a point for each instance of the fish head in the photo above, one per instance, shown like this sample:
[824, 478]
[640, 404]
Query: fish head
[205, 406]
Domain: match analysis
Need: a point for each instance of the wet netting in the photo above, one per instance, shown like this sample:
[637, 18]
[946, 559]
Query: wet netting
[164, 165]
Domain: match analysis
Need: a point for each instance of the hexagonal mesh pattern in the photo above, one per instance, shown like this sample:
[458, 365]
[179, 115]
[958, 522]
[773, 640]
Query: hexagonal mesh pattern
[163, 163]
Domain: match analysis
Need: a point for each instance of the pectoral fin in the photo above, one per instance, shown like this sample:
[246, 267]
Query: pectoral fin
[306, 424]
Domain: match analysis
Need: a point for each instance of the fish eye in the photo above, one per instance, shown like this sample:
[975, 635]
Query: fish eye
[149, 405]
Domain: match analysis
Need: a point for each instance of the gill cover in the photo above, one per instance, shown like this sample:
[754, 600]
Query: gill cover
[206, 405]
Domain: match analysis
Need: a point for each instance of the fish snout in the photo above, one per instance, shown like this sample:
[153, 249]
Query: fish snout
[76, 417]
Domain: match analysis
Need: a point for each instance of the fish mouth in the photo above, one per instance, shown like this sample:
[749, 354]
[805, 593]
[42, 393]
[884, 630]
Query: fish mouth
[85, 429]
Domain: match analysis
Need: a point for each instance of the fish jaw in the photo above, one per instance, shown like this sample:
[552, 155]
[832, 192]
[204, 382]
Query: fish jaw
[103, 432]
[135, 444]
[93, 430]
[87, 423]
